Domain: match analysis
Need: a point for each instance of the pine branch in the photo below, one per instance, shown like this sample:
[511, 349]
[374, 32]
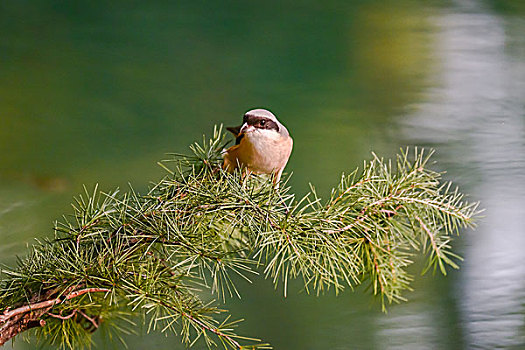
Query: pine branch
[120, 255]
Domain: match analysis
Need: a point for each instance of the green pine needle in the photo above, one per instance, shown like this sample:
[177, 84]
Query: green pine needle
[200, 228]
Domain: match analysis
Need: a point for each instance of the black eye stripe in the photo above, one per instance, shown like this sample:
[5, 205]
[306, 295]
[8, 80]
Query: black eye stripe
[260, 122]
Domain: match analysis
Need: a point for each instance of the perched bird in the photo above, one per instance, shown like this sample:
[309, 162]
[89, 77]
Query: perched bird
[262, 145]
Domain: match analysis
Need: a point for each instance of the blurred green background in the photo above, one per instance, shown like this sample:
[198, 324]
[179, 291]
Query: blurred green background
[97, 92]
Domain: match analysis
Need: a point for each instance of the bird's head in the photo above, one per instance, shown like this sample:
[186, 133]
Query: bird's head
[262, 121]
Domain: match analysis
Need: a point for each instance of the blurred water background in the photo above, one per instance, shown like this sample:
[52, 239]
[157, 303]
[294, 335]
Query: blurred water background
[98, 91]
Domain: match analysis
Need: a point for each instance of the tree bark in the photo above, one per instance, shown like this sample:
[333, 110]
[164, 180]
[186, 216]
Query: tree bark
[16, 321]
[20, 323]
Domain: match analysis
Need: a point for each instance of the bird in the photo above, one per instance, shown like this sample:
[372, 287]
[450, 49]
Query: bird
[262, 145]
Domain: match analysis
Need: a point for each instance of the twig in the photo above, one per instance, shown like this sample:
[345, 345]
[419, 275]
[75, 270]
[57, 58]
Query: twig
[204, 326]
[28, 308]
[444, 207]
[430, 235]
[213, 330]
[48, 303]
[359, 183]
[63, 317]
[348, 227]
[86, 290]
[93, 322]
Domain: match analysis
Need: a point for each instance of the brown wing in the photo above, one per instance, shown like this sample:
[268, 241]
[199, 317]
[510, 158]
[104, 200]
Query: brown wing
[230, 159]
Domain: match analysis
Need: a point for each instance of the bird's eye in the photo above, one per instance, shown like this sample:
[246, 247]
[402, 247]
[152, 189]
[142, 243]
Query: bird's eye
[262, 122]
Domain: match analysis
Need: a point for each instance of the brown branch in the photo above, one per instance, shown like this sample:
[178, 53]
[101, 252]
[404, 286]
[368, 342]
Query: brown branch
[93, 322]
[28, 308]
[63, 317]
[72, 314]
[20, 323]
[80, 292]
[16, 321]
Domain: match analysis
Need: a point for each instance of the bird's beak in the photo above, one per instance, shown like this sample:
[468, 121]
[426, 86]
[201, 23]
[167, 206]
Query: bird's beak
[246, 128]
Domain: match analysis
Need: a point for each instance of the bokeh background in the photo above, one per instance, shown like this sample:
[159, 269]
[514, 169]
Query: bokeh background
[97, 92]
